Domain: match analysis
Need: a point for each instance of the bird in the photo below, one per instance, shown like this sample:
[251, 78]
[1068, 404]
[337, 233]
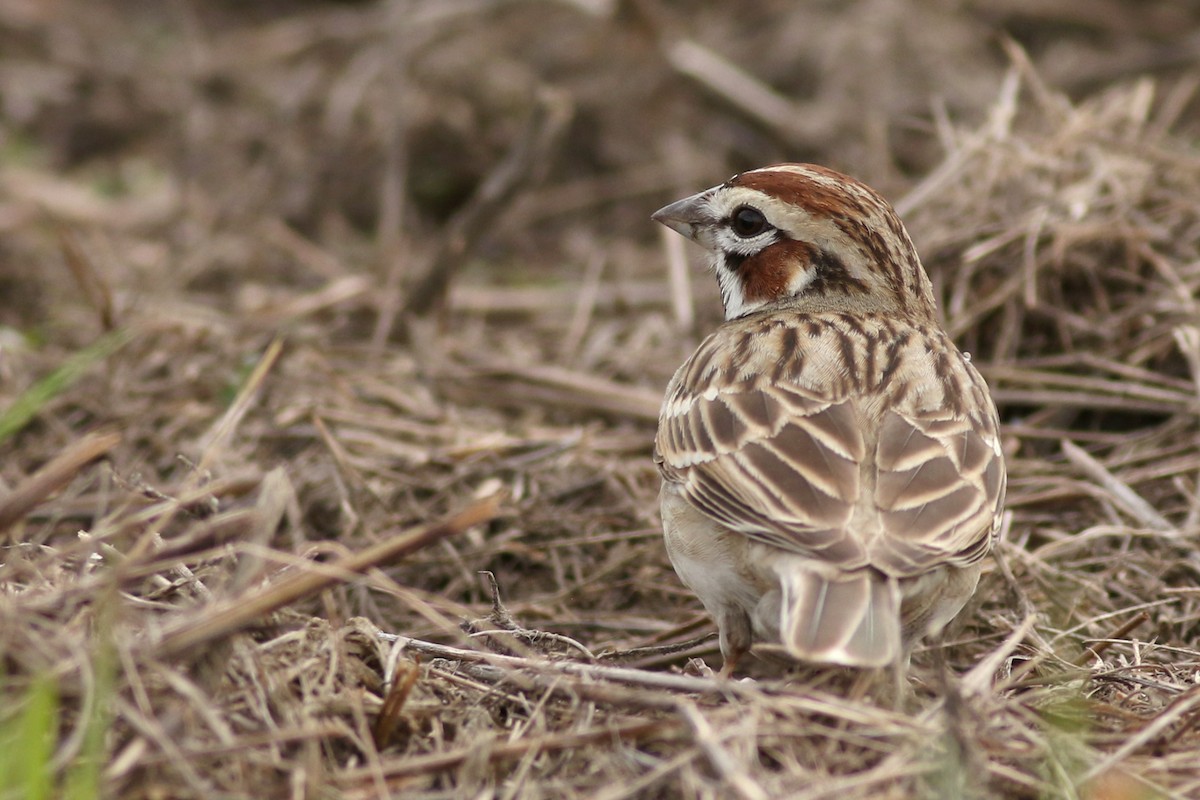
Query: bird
[831, 462]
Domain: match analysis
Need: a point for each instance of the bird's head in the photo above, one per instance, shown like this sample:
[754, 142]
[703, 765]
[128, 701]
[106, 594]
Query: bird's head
[804, 235]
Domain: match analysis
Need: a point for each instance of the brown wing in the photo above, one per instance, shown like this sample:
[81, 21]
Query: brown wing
[771, 462]
[940, 484]
[782, 461]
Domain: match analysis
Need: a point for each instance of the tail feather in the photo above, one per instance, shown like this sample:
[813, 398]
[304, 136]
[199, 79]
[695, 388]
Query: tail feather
[851, 619]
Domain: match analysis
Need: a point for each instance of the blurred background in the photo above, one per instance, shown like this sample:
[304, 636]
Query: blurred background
[222, 136]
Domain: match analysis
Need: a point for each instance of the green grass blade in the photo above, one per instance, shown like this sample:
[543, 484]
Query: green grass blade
[39, 732]
[27, 743]
[84, 777]
[26, 407]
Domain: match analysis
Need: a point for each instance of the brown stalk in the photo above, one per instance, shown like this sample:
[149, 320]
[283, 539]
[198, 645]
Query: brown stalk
[1120, 492]
[554, 384]
[234, 614]
[90, 281]
[1120, 633]
[53, 475]
[393, 703]
[504, 751]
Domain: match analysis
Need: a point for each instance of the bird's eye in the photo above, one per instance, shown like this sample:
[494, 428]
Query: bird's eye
[748, 221]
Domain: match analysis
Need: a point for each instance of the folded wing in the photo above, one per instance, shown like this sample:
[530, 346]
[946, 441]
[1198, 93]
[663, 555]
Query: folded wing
[771, 462]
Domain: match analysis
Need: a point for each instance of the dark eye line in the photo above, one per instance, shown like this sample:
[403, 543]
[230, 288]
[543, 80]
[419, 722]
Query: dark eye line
[734, 260]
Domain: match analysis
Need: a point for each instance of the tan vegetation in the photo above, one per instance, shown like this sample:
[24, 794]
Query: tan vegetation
[311, 313]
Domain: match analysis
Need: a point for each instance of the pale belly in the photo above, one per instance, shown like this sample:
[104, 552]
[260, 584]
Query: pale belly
[719, 566]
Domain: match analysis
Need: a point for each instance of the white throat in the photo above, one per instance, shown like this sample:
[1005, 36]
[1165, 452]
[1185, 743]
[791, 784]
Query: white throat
[733, 293]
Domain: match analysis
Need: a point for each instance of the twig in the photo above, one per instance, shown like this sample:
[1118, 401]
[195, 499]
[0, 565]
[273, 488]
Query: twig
[627, 294]
[1132, 385]
[1087, 400]
[1187, 339]
[237, 613]
[578, 389]
[1121, 494]
[508, 627]
[635, 677]
[1182, 706]
[590, 677]
[1107, 642]
[312, 255]
[88, 278]
[393, 703]
[737, 778]
[339, 291]
[53, 475]
[220, 433]
[980, 675]
[680, 281]
[497, 750]
[500, 614]
[534, 636]
[655, 651]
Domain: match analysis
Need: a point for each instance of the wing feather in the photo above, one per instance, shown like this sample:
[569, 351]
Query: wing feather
[903, 483]
[778, 468]
[940, 486]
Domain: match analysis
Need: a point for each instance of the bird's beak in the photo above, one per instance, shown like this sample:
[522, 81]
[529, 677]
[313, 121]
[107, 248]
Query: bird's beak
[686, 216]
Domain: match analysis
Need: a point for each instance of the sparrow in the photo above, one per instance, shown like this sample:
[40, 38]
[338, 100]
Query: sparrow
[832, 473]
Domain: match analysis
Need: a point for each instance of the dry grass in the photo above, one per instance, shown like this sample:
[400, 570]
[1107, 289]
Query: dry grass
[248, 484]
